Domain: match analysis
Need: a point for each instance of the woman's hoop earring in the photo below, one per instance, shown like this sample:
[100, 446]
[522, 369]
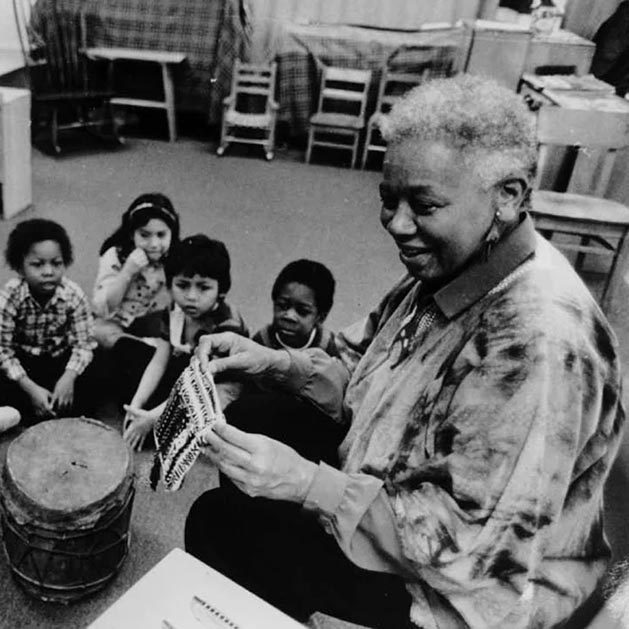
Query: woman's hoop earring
[492, 236]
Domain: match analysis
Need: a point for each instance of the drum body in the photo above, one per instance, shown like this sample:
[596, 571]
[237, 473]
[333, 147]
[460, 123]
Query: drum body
[66, 493]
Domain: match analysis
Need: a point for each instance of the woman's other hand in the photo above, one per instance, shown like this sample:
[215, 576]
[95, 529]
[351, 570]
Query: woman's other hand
[257, 465]
[234, 354]
[136, 426]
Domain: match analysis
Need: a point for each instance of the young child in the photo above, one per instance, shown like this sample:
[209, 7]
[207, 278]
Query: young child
[131, 282]
[131, 289]
[302, 295]
[198, 275]
[46, 327]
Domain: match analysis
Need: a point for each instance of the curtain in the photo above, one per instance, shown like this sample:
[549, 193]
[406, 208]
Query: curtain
[402, 14]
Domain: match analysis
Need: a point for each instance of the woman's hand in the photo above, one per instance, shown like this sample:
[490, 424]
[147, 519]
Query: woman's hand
[136, 426]
[259, 466]
[63, 393]
[136, 261]
[231, 353]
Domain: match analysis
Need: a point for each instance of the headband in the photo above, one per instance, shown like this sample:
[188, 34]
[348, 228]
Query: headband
[147, 204]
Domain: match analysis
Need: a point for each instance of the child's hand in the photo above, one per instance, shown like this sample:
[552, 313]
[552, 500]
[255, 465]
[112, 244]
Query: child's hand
[63, 393]
[137, 425]
[136, 261]
[41, 399]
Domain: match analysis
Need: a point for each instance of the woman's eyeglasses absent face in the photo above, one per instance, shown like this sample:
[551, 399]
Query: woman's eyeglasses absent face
[434, 207]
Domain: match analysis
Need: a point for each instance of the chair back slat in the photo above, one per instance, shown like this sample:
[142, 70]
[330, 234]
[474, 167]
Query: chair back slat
[341, 94]
[253, 86]
[344, 91]
[580, 127]
[590, 139]
[259, 91]
[347, 75]
[62, 33]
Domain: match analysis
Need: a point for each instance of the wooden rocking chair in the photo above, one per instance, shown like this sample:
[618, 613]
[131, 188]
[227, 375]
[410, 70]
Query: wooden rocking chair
[250, 110]
[66, 92]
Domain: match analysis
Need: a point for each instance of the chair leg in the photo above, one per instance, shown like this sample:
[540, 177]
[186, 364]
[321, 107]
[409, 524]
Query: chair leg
[223, 142]
[270, 146]
[169, 97]
[355, 149]
[366, 149]
[309, 148]
[113, 123]
[578, 264]
[54, 131]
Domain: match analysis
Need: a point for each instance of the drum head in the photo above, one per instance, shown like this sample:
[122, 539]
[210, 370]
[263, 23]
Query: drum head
[66, 470]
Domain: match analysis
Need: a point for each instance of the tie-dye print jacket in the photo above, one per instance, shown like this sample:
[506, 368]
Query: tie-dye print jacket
[475, 466]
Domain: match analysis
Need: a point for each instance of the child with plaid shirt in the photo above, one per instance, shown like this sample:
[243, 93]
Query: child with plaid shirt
[46, 325]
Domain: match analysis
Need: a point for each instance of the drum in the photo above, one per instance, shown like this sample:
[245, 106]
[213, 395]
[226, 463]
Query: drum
[66, 493]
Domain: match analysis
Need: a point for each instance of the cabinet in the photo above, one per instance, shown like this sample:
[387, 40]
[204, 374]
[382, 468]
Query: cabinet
[561, 48]
[15, 151]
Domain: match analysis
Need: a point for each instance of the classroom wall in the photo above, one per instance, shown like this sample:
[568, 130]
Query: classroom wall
[8, 30]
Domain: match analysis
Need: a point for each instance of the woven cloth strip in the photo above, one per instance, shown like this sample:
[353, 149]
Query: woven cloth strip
[192, 406]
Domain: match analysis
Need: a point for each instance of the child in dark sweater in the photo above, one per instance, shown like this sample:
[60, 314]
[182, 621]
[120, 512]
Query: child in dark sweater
[198, 275]
[302, 295]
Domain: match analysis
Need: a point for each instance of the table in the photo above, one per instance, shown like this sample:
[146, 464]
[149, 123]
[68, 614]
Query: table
[301, 49]
[166, 592]
[210, 34]
[166, 60]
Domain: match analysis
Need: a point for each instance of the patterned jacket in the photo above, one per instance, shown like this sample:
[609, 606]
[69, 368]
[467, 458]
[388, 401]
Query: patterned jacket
[475, 461]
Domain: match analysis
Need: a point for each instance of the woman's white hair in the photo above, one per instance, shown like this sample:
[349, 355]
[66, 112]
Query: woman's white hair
[490, 125]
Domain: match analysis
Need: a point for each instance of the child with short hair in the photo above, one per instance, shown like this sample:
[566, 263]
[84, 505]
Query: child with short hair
[198, 275]
[302, 295]
[46, 326]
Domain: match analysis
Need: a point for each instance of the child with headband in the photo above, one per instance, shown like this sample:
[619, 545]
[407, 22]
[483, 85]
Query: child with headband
[131, 283]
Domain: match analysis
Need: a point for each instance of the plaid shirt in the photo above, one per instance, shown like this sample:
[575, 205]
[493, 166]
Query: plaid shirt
[63, 323]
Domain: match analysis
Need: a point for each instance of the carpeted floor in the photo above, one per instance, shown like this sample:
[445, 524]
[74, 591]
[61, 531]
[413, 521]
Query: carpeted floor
[267, 214]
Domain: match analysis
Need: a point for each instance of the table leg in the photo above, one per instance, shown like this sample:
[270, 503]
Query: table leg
[169, 98]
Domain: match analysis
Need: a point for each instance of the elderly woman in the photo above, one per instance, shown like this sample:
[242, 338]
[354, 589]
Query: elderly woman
[482, 396]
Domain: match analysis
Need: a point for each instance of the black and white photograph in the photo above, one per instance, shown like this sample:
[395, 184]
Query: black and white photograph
[314, 313]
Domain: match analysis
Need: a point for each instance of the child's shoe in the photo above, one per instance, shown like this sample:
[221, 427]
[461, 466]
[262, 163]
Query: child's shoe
[9, 417]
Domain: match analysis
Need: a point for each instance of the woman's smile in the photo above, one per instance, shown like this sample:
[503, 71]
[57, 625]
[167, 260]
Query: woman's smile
[412, 251]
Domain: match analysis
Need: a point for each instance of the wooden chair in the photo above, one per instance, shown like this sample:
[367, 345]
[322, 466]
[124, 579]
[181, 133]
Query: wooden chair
[589, 223]
[250, 108]
[420, 62]
[65, 92]
[340, 110]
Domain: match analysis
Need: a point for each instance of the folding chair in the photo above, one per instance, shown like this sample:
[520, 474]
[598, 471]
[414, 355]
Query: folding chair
[340, 110]
[599, 226]
[250, 110]
[405, 68]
